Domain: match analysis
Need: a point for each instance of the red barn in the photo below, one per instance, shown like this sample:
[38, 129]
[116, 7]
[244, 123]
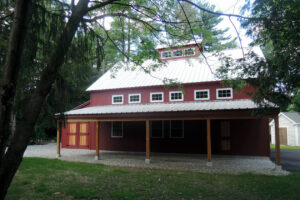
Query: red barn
[130, 109]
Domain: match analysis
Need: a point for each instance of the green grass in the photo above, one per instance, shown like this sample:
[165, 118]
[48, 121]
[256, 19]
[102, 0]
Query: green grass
[40, 178]
[272, 146]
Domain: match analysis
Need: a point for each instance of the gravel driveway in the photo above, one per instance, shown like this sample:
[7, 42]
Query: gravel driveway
[221, 164]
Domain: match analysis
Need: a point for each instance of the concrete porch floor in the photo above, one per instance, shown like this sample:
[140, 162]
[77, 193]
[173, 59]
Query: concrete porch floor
[191, 162]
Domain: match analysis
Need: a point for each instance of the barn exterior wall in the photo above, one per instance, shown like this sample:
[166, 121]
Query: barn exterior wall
[104, 97]
[247, 137]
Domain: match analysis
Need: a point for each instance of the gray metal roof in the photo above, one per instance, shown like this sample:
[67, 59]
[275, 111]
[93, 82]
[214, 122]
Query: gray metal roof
[150, 73]
[167, 107]
[294, 116]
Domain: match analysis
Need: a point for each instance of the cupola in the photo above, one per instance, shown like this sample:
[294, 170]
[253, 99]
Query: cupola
[181, 51]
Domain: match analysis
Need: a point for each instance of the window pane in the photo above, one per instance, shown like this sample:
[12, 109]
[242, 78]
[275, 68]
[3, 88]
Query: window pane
[166, 54]
[117, 129]
[224, 93]
[188, 52]
[156, 97]
[134, 98]
[202, 95]
[118, 99]
[177, 53]
[177, 129]
[176, 96]
[157, 129]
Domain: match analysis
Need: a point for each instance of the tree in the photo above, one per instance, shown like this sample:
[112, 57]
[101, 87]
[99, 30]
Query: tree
[200, 24]
[70, 27]
[274, 26]
[11, 158]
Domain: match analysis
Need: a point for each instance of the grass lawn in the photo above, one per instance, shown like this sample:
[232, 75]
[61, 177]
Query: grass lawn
[40, 178]
[285, 147]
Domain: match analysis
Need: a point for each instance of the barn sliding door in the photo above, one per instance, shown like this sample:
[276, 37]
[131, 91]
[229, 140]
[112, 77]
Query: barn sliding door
[83, 135]
[78, 135]
[72, 135]
[225, 136]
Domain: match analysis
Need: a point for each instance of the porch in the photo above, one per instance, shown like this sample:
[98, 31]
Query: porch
[190, 162]
[218, 128]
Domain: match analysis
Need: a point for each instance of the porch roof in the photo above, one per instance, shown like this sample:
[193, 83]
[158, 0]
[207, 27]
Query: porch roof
[168, 107]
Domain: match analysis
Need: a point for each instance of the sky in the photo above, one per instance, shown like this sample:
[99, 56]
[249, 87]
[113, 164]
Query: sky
[225, 6]
[231, 7]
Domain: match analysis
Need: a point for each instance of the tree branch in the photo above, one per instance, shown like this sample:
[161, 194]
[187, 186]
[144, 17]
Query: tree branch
[218, 13]
[238, 36]
[191, 29]
[100, 5]
[122, 15]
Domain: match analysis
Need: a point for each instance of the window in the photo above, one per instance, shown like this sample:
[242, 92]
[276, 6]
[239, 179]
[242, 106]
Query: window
[224, 93]
[117, 99]
[176, 96]
[157, 129]
[177, 53]
[157, 97]
[189, 52]
[134, 98]
[117, 129]
[201, 94]
[166, 54]
[176, 129]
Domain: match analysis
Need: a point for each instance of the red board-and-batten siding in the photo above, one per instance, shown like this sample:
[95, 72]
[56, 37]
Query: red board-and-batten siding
[104, 97]
[247, 137]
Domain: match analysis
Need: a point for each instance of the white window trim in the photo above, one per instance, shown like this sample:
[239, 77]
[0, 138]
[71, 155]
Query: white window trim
[217, 93]
[134, 101]
[162, 56]
[162, 94]
[177, 56]
[162, 129]
[182, 130]
[188, 49]
[112, 99]
[176, 99]
[112, 130]
[206, 90]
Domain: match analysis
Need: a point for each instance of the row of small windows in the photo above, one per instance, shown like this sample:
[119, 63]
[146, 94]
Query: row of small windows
[178, 53]
[156, 129]
[222, 93]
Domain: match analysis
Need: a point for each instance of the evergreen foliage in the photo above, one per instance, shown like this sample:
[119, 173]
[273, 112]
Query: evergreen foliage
[275, 27]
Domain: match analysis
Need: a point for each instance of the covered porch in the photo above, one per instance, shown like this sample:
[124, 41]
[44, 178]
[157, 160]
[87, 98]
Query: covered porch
[189, 162]
[208, 139]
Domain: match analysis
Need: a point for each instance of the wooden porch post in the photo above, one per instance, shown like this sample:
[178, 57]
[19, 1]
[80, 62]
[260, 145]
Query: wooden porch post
[277, 141]
[208, 136]
[97, 141]
[147, 160]
[58, 138]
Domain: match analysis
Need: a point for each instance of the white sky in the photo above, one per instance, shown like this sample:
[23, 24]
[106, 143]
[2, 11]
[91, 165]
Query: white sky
[225, 6]
[231, 7]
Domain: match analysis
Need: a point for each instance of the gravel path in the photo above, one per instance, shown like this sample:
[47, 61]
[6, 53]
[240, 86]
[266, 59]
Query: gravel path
[221, 164]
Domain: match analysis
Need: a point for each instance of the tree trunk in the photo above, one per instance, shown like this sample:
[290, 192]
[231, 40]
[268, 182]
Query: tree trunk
[22, 17]
[14, 154]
